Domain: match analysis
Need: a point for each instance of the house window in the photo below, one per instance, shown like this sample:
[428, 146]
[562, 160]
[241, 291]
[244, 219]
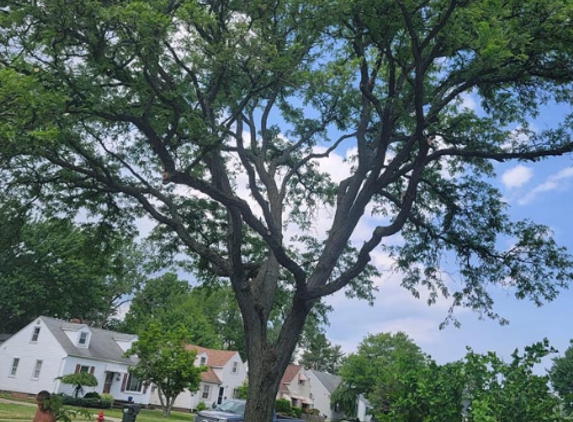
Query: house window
[235, 367]
[37, 369]
[301, 382]
[35, 334]
[84, 368]
[14, 368]
[133, 384]
[203, 360]
[205, 394]
[237, 393]
[83, 338]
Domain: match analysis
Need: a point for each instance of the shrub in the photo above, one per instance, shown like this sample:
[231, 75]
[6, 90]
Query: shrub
[296, 412]
[97, 403]
[283, 406]
[56, 405]
[92, 395]
[105, 397]
[201, 406]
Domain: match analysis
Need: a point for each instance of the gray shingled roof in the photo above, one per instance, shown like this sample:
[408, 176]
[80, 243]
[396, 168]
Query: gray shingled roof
[102, 345]
[330, 382]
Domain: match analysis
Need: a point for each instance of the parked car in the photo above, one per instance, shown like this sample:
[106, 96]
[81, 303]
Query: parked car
[234, 411]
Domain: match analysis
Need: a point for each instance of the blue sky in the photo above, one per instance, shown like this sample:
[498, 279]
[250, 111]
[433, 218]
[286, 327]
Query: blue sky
[541, 192]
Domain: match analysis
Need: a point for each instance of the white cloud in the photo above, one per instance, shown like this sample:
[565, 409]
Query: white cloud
[122, 310]
[517, 176]
[421, 330]
[468, 101]
[556, 181]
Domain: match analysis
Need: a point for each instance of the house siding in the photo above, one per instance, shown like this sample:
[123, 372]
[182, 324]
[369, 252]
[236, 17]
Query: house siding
[46, 348]
[297, 392]
[321, 398]
[100, 372]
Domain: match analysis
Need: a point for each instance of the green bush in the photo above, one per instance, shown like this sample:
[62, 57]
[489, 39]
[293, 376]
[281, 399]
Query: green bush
[92, 395]
[283, 406]
[97, 403]
[105, 397]
[296, 412]
[201, 406]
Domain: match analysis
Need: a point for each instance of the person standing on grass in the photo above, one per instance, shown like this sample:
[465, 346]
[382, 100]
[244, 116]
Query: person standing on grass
[43, 414]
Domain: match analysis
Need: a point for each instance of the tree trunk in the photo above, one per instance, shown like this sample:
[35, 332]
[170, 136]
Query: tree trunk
[267, 362]
[168, 406]
[264, 378]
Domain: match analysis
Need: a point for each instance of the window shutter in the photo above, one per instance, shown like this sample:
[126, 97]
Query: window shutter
[78, 366]
[124, 382]
[92, 370]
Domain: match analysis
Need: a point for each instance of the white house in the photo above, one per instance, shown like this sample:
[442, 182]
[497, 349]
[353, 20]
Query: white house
[295, 386]
[226, 373]
[47, 348]
[322, 385]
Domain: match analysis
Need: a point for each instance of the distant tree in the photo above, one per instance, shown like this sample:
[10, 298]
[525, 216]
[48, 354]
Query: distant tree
[57, 268]
[154, 299]
[510, 392]
[79, 380]
[383, 370]
[165, 361]
[319, 354]
[437, 393]
[561, 376]
[169, 301]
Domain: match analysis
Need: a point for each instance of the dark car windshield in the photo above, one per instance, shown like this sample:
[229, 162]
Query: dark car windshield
[232, 406]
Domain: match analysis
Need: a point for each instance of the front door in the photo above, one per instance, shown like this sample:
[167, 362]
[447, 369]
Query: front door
[107, 382]
[221, 393]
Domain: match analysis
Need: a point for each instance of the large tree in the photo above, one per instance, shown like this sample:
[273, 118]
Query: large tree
[212, 118]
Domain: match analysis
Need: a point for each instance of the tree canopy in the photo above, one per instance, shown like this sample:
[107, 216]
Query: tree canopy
[321, 355]
[54, 267]
[403, 384]
[380, 370]
[165, 361]
[561, 376]
[213, 118]
[79, 380]
[168, 301]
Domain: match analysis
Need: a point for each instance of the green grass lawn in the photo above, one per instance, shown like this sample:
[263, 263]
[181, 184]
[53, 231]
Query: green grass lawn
[12, 412]
[16, 412]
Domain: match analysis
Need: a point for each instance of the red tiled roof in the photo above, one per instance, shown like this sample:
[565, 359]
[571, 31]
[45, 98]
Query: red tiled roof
[216, 358]
[210, 376]
[290, 373]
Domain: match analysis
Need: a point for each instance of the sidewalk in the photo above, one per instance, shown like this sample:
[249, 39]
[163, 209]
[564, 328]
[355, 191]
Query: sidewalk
[23, 403]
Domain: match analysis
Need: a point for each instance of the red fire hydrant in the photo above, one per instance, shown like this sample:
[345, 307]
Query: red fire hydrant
[100, 417]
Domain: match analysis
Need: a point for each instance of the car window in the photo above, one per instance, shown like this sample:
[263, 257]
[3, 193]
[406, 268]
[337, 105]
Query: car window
[232, 406]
